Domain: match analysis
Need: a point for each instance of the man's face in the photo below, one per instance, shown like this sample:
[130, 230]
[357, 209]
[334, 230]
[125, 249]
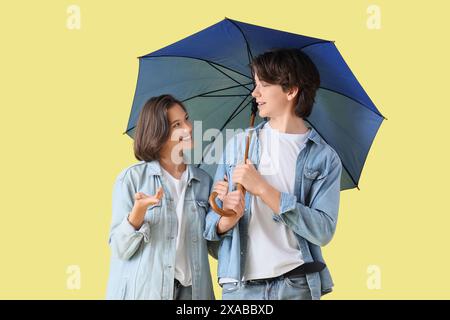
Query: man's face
[272, 100]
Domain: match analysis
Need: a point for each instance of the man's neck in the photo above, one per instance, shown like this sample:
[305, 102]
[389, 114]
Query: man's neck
[288, 124]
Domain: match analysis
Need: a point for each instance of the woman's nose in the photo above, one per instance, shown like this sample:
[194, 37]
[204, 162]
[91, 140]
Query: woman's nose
[188, 127]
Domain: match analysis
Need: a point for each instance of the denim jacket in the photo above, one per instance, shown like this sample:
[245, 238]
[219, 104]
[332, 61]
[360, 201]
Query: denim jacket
[143, 261]
[311, 212]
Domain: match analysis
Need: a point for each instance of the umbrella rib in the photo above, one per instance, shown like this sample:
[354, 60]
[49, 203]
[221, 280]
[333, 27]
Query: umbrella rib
[249, 52]
[223, 95]
[187, 57]
[217, 90]
[359, 102]
[227, 75]
[237, 113]
[201, 95]
[230, 118]
[332, 42]
[349, 174]
[314, 43]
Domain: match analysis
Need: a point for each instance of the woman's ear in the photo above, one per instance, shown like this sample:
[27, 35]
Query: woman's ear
[292, 93]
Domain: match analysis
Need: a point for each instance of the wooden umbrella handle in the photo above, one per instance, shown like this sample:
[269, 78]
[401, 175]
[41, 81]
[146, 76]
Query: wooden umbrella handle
[213, 196]
[216, 208]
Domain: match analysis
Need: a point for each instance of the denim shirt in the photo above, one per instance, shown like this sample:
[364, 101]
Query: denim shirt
[143, 261]
[311, 212]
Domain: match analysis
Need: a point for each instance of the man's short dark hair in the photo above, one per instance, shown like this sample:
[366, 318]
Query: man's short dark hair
[290, 68]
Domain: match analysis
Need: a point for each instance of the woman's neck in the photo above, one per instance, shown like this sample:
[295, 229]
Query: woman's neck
[175, 170]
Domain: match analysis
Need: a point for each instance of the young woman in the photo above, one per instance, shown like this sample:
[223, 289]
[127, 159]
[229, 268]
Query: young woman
[159, 207]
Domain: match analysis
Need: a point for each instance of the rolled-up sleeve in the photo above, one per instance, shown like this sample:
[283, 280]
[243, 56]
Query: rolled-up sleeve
[124, 239]
[317, 222]
[212, 218]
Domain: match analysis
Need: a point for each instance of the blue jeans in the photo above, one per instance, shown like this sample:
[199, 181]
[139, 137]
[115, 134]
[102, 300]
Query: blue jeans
[280, 288]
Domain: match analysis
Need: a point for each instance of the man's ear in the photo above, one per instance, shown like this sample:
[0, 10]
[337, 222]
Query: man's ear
[292, 93]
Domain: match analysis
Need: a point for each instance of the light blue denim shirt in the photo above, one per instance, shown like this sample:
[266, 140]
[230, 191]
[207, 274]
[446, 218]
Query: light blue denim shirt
[311, 212]
[143, 261]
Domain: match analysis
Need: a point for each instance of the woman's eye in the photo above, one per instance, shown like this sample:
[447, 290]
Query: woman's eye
[176, 125]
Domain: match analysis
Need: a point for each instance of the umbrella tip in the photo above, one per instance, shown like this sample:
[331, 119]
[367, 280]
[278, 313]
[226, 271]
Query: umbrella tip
[358, 188]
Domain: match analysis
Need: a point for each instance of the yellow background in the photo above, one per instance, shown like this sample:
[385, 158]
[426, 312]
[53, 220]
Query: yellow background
[65, 100]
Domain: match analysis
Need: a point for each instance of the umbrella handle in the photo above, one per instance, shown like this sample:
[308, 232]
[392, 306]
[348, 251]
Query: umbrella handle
[213, 196]
[216, 208]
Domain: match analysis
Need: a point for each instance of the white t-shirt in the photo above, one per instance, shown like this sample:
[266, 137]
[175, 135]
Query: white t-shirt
[272, 247]
[177, 190]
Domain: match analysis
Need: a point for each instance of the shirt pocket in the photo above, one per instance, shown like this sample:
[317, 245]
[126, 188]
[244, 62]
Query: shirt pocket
[311, 176]
[153, 214]
[202, 207]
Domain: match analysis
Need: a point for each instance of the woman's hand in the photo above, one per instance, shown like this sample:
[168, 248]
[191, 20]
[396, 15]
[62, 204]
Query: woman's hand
[141, 204]
[144, 201]
[221, 187]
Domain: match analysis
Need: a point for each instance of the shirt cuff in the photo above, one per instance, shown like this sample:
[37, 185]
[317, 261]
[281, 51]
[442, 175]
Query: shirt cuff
[127, 228]
[226, 234]
[210, 234]
[288, 202]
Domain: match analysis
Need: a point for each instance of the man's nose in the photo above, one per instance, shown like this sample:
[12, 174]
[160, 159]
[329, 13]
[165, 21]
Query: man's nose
[255, 93]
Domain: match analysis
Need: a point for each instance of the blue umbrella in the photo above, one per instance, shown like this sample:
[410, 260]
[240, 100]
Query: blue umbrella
[209, 71]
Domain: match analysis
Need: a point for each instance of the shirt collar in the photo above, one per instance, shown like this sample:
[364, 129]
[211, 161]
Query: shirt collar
[313, 135]
[154, 168]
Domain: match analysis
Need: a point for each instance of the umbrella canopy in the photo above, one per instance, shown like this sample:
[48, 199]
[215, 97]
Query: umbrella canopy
[209, 71]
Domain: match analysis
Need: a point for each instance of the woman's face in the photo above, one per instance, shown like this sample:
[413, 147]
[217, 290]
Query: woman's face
[180, 132]
[272, 100]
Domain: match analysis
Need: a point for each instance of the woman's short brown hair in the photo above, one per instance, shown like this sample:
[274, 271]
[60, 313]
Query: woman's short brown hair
[290, 68]
[152, 128]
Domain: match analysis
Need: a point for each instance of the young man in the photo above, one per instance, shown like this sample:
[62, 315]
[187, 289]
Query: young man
[271, 248]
